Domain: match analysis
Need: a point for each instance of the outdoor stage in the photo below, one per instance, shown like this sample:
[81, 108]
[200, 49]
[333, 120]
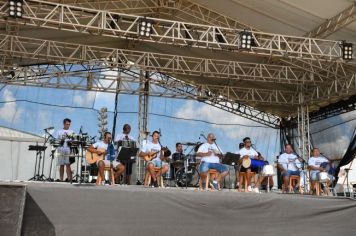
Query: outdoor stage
[64, 209]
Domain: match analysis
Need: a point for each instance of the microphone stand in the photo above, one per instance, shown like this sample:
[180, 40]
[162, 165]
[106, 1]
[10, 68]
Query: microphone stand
[222, 164]
[43, 177]
[52, 157]
[161, 175]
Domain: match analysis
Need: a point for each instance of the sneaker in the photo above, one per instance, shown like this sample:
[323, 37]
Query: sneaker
[215, 185]
[102, 182]
[256, 190]
[155, 184]
[249, 188]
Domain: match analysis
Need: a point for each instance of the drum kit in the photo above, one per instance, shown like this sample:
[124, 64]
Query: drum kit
[187, 175]
[77, 144]
[185, 167]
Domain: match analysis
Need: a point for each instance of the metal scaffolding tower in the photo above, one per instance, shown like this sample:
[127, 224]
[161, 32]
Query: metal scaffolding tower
[142, 121]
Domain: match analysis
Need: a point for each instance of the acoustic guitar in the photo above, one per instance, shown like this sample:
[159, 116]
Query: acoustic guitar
[92, 157]
[150, 157]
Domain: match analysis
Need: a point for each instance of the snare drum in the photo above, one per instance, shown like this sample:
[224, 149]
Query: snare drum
[268, 170]
[323, 177]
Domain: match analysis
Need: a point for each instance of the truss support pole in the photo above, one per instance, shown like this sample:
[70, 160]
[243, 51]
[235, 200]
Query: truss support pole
[142, 122]
[304, 143]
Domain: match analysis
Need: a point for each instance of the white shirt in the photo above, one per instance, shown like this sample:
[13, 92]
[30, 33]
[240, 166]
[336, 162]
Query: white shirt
[153, 147]
[63, 135]
[316, 161]
[288, 161]
[123, 137]
[206, 147]
[101, 144]
[248, 152]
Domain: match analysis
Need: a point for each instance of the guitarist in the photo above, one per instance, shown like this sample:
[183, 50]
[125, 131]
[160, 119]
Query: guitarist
[154, 155]
[102, 148]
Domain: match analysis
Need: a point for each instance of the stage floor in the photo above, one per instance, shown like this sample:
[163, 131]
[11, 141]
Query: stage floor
[64, 209]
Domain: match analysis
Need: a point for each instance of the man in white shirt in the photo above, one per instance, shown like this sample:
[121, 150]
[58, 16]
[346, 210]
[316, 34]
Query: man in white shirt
[209, 153]
[109, 158]
[315, 168]
[154, 149]
[247, 152]
[287, 165]
[63, 151]
[126, 129]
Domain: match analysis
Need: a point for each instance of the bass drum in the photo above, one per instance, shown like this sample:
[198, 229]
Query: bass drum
[190, 179]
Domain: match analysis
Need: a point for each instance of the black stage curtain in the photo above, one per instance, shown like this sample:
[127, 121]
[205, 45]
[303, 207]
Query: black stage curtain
[348, 157]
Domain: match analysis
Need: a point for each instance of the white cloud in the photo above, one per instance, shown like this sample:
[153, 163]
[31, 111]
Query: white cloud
[231, 129]
[9, 111]
[44, 118]
[215, 115]
[85, 99]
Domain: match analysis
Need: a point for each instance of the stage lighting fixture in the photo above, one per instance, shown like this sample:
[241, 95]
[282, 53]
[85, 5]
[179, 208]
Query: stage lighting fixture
[145, 28]
[15, 8]
[246, 40]
[346, 51]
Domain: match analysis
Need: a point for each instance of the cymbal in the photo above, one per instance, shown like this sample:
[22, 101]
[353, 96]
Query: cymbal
[189, 144]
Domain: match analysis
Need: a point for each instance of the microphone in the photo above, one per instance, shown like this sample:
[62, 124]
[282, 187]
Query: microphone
[49, 128]
[160, 133]
[80, 130]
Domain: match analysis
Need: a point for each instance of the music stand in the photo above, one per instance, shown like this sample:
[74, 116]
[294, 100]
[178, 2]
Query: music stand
[230, 159]
[126, 156]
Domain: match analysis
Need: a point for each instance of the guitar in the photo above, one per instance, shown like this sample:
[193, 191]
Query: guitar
[92, 157]
[153, 155]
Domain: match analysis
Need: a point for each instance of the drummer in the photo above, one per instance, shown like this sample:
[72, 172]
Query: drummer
[247, 152]
[315, 168]
[177, 158]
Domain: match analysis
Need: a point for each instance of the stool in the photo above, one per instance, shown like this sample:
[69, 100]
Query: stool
[243, 175]
[294, 178]
[318, 188]
[148, 177]
[211, 173]
[111, 176]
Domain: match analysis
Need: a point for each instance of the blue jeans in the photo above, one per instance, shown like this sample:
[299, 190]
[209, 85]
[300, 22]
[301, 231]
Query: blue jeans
[291, 172]
[156, 163]
[205, 166]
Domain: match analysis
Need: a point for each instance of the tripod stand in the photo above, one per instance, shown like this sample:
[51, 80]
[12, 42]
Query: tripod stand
[39, 149]
[80, 155]
[50, 168]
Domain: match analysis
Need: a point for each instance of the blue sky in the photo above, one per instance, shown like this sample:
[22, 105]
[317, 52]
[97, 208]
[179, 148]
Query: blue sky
[24, 108]
[31, 113]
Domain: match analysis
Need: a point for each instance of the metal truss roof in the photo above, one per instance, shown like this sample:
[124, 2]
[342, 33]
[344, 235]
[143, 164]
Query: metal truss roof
[189, 43]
